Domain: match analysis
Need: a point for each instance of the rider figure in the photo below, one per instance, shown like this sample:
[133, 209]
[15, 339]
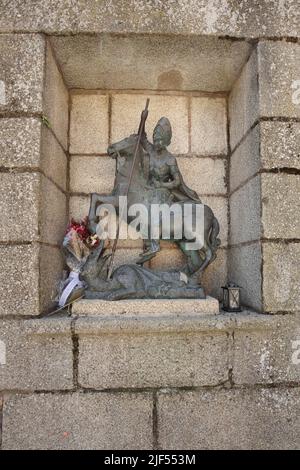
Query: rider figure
[162, 173]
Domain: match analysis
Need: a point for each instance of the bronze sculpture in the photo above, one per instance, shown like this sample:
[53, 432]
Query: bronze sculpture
[148, 173]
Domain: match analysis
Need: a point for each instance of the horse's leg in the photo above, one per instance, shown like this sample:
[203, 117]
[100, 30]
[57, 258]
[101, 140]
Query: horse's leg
[193, 258]
[208, 256]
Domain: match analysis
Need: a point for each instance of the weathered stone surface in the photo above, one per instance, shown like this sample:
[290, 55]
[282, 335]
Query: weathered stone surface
[244, 269]
[146, 306]
[79, 207]
[208, 126]
[280, 205]
[281, 277]
[145, 62]
[245, 212]
[22, 72]
[279, 146]
[245, 160]
[279, 72]
[203, 175]
[168, 258]
[268, 18]
[24, 219]
[267, 355]
[219, 205]
[156, 360]
[56, 100]
[51, 265]
[215, 275]
[126, 112]
[19, 280]
[19, 195]
[53, 159]
[25, 143]
[243, 102]
[78, 421]
[53, 212]
[230, 419]
[20, 142]
[89, 123]
[92, 174]
[38, 354]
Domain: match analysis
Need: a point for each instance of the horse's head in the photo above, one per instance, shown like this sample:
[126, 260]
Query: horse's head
[123, 148]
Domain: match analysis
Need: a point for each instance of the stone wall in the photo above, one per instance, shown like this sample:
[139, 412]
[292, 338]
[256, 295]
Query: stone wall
[225, 75]
[264, 178]
[33, 162]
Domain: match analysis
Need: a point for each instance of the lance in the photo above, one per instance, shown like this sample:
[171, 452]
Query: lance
[140, 131]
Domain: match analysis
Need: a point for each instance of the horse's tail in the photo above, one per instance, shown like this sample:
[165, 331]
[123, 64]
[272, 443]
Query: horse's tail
[214, 242]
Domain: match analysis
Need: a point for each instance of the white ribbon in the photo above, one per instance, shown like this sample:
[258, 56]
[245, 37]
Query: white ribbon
[74, 281]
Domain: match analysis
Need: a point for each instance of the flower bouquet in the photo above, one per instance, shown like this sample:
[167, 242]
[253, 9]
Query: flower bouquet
[77, 245]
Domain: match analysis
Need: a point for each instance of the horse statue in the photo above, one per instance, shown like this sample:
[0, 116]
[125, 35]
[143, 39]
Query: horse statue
[142, 192]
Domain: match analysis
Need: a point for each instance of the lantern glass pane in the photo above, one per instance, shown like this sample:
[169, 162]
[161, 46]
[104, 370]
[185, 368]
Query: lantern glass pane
[234, 298]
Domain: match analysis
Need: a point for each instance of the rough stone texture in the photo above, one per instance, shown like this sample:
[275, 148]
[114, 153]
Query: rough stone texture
[244, 269]
[53, 158]
[92, 174]
[279, 68]
[168, 258]
[20, 142]
[19, 195]
[22, 71]
[245, 160]
[158, 360]
[245, 212]
[215, 275]
[230, 419]
[280, 143]
[19, 270]
[38, 354]
[266, 355]
[89, 123]
[219, 205]
[146, 306]
[79, 207]
[56, 100]
[280, 205]
[208, 126]
[52, 212]
[78, 421]
[267, 18]
[28, 277]
[126, 112]
[20, 147]
[145, 62]
[203, 175]
[50, 271]
[281, 277]
[243, 101]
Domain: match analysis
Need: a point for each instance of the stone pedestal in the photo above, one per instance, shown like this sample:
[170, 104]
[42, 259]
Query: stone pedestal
[149, 307]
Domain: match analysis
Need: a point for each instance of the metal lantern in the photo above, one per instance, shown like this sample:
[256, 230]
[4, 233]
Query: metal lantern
[232, 298]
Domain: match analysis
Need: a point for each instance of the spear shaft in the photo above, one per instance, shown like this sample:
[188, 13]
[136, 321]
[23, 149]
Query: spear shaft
[140, 131]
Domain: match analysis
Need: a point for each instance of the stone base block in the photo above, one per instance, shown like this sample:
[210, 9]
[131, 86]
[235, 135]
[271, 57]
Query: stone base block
[157, 307]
